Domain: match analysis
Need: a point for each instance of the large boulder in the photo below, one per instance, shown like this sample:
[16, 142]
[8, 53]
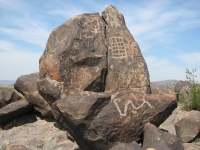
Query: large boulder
[7, 96]
[102, 120]
[182, 84]
[93, 53]
[14, 110]
[155, 139]
[26, 84]
[76, 54]
[127, 69]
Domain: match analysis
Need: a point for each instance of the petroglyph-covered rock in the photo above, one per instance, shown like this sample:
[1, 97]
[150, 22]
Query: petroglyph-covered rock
[26, 84]
[102, 120]
[76, 54]
[91, 53]
[83, 63]
[127, 68]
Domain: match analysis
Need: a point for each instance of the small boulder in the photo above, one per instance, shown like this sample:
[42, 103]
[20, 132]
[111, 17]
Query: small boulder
[7, 96]
[127, 146]
[155, 139]
[182, 84]
[49, 89]
[101, 120]
[26, 84]
[187, 129]
[14, 110]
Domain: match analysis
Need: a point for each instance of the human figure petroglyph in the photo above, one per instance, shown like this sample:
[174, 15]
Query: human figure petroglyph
[127, 103]
[95, 28]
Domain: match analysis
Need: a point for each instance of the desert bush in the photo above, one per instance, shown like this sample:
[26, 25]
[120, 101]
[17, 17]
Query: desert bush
[190, 98]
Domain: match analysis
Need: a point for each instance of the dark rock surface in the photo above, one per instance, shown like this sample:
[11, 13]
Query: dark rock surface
[181, 84]
[156, 139]
[7, 96]
[127, 69]
[127, 146]
[187, 129]
[14, 110]
[49, 89]
[26, 84]
[99, 120]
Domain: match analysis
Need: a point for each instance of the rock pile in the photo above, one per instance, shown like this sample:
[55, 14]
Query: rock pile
[95, 82]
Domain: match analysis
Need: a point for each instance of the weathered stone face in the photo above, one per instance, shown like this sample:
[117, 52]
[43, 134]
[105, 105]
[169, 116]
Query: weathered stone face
[101, 120]
[127, 69]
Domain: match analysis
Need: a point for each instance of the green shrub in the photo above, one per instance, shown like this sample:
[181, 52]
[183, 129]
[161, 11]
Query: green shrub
[196, 140]
[190, 98]
[40, 146]
[57, 125]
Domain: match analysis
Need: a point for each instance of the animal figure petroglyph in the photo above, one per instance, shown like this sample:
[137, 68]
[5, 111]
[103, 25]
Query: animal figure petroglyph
[128, 102]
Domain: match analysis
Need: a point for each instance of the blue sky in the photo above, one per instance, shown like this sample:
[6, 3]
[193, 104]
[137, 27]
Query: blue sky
[168, 32]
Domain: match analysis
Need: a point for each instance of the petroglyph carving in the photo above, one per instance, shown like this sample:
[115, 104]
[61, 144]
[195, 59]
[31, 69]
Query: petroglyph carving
[91, 23]
[95, 28]
[89, 41]
[128, 102]
[118, 47]
[96, 43]
[75, 46]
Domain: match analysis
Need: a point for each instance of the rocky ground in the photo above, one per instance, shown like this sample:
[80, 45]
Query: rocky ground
[42, 133]
[37, 133]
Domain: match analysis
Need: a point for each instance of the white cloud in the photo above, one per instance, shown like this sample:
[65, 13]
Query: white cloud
[191, 58]
[163, 69]
[15, 62]
[159, 19]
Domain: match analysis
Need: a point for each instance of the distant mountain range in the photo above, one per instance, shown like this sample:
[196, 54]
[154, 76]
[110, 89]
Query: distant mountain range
[164, 82]
[7, 82]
